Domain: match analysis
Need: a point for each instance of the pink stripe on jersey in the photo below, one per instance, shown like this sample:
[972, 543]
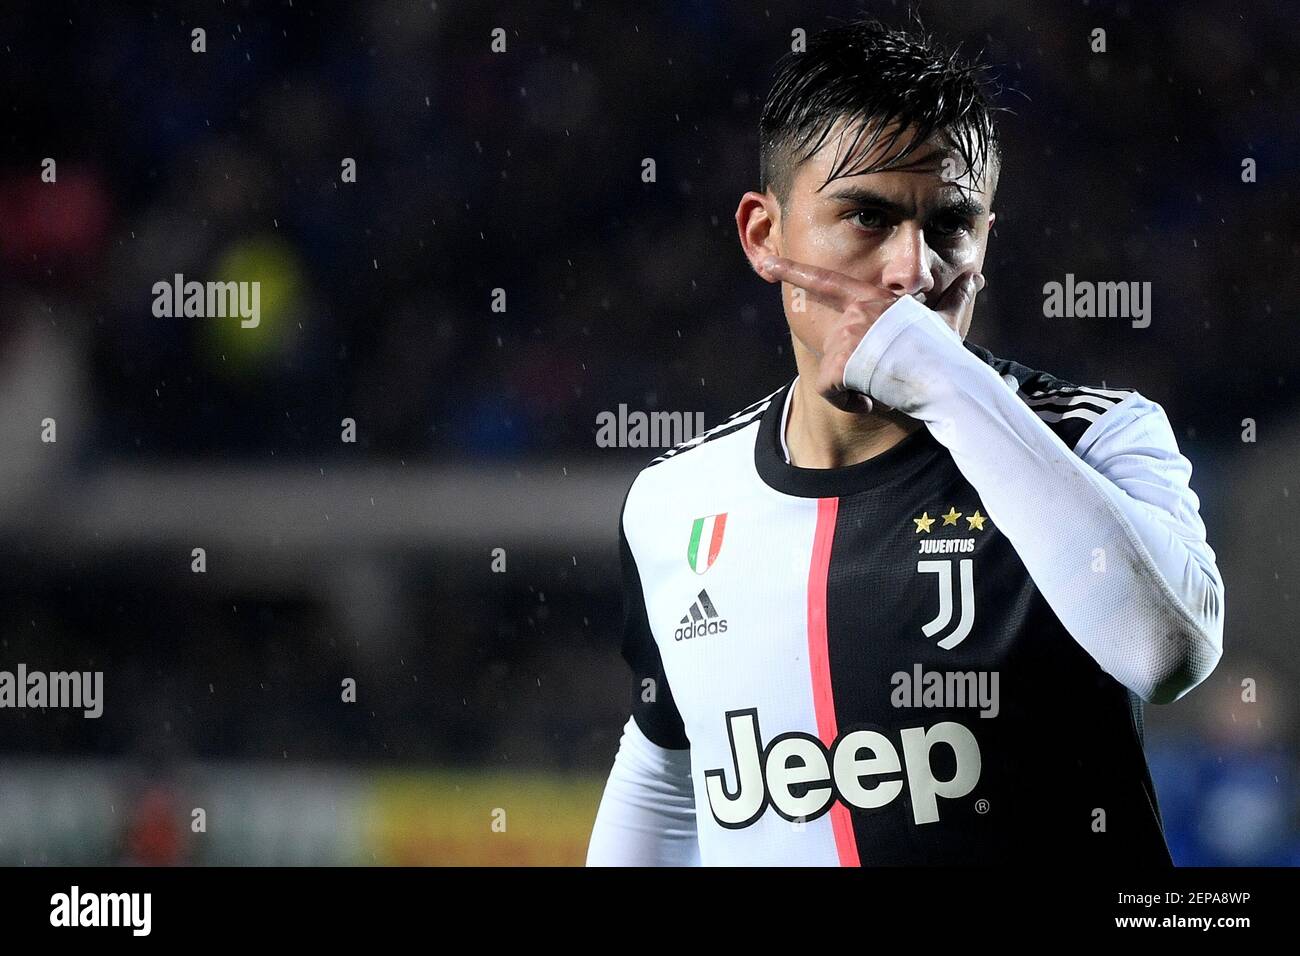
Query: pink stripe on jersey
[846, 844]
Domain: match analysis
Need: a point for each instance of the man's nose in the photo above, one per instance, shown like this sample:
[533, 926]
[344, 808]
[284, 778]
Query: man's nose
[907, 268]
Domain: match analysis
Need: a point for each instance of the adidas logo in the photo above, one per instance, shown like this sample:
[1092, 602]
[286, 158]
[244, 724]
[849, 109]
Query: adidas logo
[702, 618]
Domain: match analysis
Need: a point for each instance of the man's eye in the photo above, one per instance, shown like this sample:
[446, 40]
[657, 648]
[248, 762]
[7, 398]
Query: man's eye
[867, 219]
[950, 228]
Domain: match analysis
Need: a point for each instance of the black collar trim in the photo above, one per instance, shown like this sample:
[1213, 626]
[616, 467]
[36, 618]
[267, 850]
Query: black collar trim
[906, 458]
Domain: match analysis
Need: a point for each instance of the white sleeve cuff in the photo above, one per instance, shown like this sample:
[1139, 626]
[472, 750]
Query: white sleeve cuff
[860, 370]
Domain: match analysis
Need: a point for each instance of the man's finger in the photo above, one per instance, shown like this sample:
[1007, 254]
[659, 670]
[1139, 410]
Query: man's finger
[826, 285]
[958, 296]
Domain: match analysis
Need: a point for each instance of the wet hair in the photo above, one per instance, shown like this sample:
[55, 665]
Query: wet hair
[888, 84]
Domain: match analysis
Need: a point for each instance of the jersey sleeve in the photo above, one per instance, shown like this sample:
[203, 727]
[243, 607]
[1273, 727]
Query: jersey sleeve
[1110, 532]
[647, 811]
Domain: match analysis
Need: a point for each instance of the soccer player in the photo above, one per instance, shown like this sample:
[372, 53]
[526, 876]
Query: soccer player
[907, 608]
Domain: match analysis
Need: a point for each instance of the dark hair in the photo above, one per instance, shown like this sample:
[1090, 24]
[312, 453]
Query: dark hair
[891, 83]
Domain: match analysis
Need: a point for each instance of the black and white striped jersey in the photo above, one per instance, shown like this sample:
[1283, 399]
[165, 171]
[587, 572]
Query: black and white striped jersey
[935, 656]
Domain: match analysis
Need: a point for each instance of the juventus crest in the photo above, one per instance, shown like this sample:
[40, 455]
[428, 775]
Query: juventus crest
[949, 599]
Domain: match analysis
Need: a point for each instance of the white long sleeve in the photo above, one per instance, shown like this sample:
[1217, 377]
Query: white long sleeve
[647, 813]
[1110, 533]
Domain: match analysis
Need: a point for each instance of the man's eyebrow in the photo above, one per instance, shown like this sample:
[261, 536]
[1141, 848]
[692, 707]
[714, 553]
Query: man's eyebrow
[961, 205]
[861, 196]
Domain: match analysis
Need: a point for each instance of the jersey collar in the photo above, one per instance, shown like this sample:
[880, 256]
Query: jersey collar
[906, 458]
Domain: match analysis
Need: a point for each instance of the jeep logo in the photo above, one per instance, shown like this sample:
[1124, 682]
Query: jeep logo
[799, 778]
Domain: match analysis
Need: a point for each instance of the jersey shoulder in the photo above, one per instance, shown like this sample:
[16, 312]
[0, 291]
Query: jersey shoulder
[1068, 409]
[712, 456]
[749, 415]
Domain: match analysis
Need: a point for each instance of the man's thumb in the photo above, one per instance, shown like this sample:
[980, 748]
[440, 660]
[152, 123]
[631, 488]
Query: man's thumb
[959, 295]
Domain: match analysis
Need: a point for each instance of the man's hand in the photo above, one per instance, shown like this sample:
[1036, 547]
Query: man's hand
[859, 305]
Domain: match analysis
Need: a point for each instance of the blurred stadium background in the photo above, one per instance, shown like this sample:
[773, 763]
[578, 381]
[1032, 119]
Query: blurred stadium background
[481, 692]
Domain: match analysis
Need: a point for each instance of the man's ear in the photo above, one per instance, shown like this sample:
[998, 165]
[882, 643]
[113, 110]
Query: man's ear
[758, 222]
[992, 218]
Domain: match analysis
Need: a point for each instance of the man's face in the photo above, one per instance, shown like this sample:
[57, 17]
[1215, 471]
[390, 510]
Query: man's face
[909, 231]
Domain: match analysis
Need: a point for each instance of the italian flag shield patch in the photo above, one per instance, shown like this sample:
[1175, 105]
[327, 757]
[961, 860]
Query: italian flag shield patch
[706, 541]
